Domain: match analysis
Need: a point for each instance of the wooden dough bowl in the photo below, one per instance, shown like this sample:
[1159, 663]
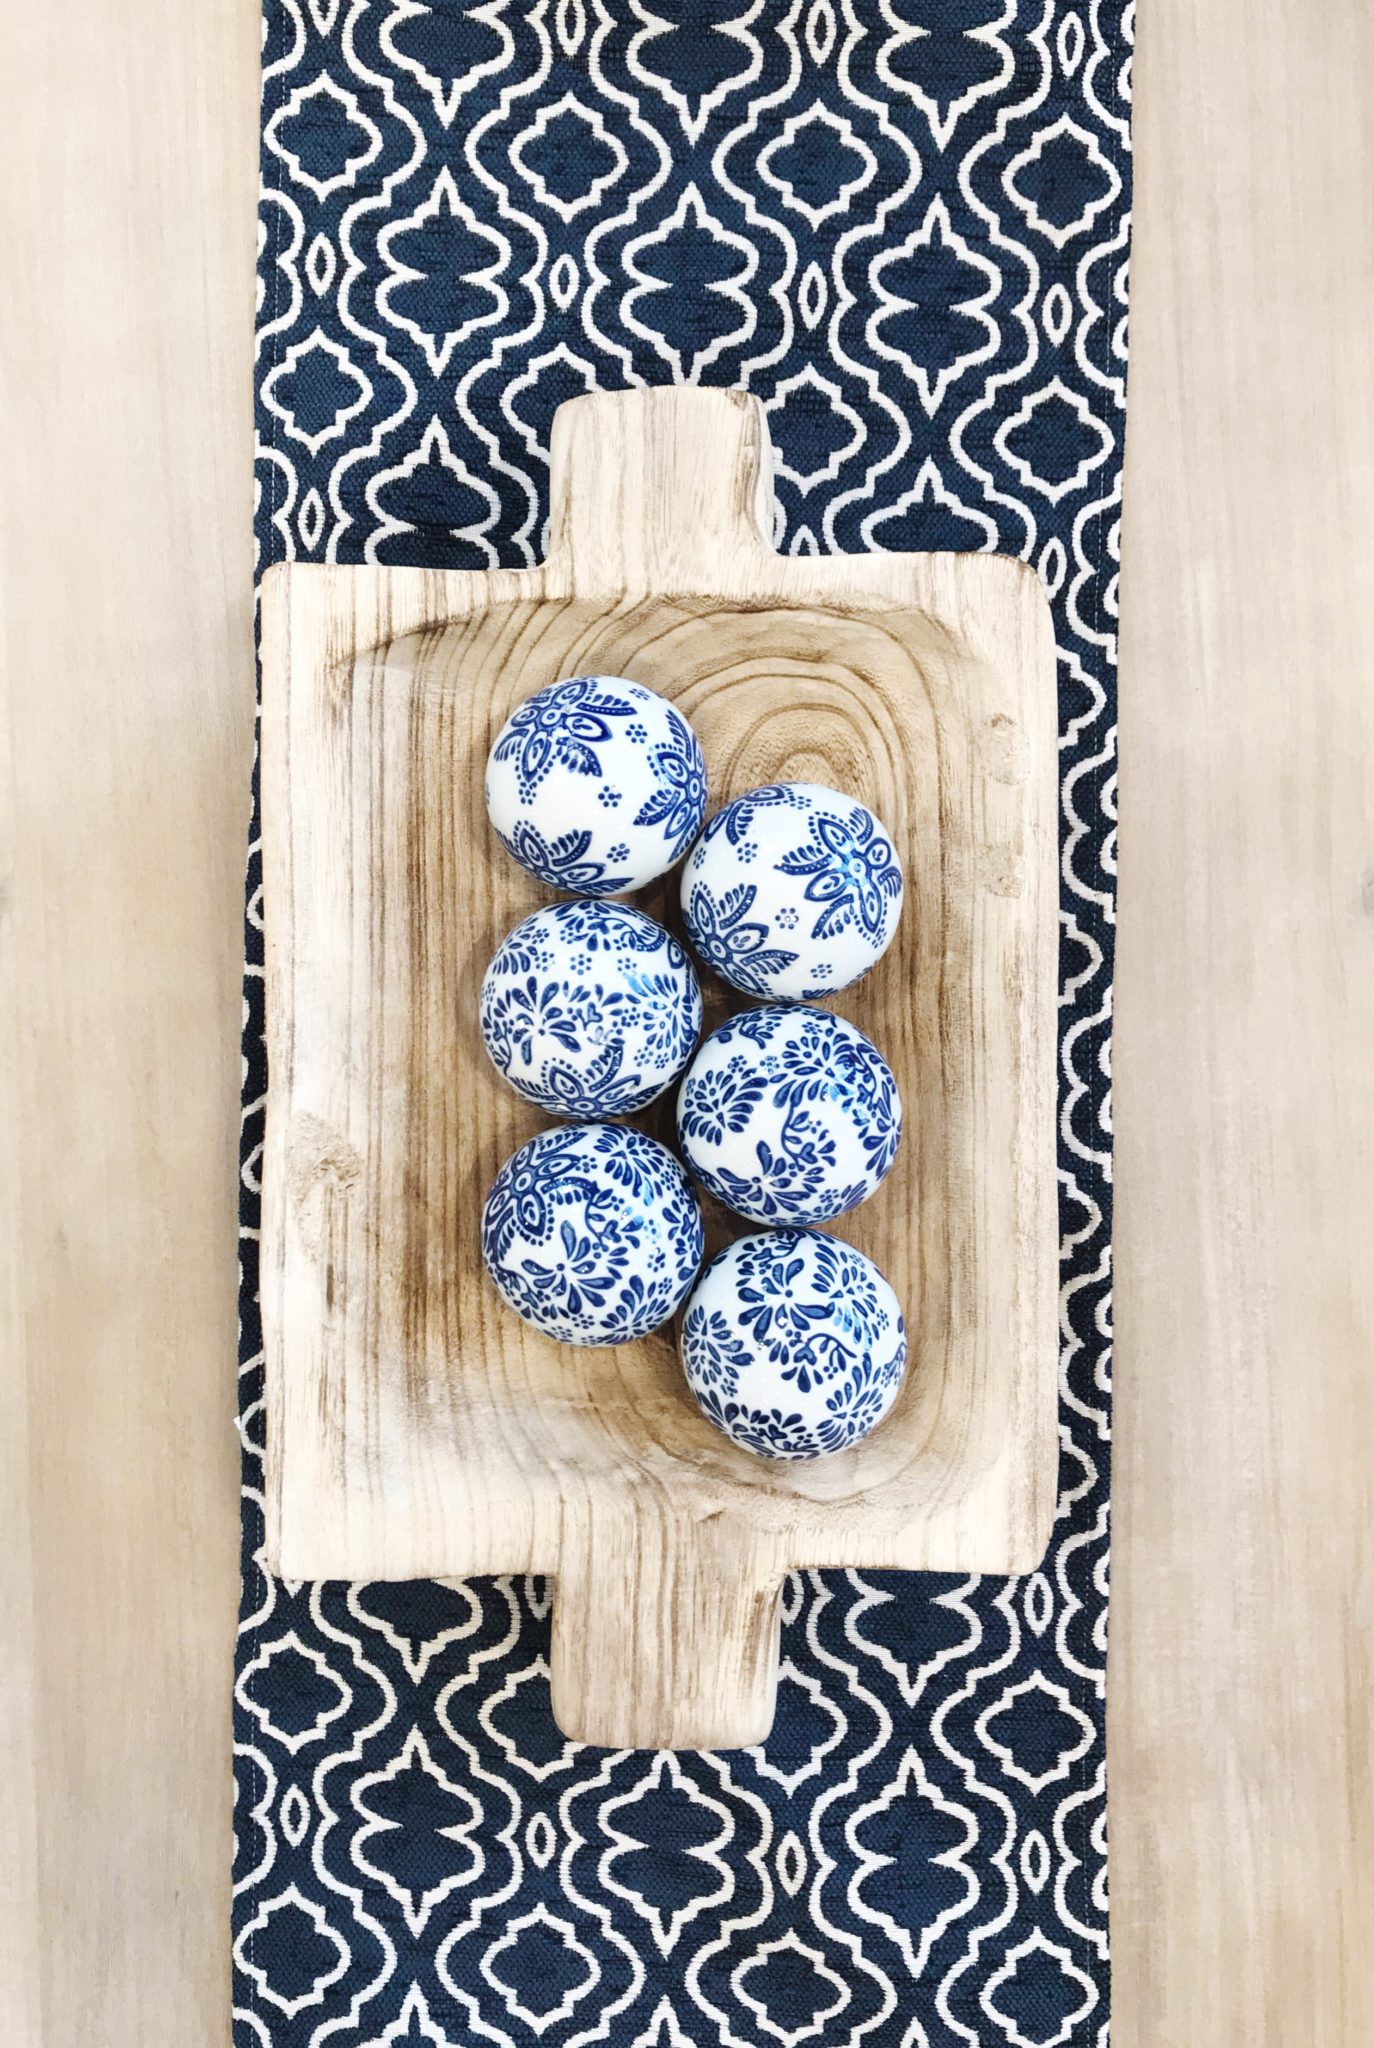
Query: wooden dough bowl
[415, 1426]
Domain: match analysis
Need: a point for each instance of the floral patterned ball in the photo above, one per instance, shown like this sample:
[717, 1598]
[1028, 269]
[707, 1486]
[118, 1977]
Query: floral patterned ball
[793, 1344]
[792, 891]
[592, 1232]
[789, 1115]
[596, 785]
[590, 1009]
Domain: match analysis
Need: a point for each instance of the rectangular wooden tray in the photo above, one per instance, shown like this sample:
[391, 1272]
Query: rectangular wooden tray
[416, 1427]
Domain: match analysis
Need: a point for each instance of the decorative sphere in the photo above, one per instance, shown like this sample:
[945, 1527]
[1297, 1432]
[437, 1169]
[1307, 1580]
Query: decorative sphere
[592, 1232]
[789, 1115]
[596, 785]
[793, 1344]
[590, 1009]
[792, 891]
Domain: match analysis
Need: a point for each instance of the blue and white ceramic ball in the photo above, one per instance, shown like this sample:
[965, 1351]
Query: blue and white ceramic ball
[793, 1344]
[596, 785]
[789, 1115]
[590, 1009]
[592, 1232]
[792, 891]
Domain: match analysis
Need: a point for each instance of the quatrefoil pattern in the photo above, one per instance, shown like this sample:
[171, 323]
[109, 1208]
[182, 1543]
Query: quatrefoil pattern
[904, 226]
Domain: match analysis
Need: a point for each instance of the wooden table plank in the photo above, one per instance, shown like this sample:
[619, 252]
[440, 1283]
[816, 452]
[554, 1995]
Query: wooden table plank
[129, 146]
[1241, 1688]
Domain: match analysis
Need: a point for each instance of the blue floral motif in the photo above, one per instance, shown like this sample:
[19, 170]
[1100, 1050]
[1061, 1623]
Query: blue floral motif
[720, 1101]
[789, 1115]
[730, 941]
[587, 1272]
[790, 1185]
[793, 1344]
[857, 1403]
[581, 1091]
[844, 1068]
[858, 1307]
[768, 1431]
[792, 891]
[852, 1409]
[596, 784]
[654, 1005]
[818, 1315]
[590, 1009]
[592, 1233]
[563, 862]
[521, 1204]
[736, 818]
[791, 1178]
[757, 1027]
[779, 1321]
[852, 870]
[525, 1010]
[720, 1357]
[562, 725]
[679, 802]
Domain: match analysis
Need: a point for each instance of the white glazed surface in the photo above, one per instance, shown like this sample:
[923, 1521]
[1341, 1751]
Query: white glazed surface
[596, 785]
[792, 891]
[592, 1232]
[793, 1344]
[789, 1115]
[590, 1009]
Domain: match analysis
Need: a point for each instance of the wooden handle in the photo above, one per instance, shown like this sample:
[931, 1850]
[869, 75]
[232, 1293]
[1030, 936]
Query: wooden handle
[665, 1635]
[672, 491]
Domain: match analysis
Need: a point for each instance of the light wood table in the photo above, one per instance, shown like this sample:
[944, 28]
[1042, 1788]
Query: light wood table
[128, 151]
[1241, 1680]
[1242, 1625]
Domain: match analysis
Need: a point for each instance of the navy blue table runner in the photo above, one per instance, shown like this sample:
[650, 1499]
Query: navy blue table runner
[904, 225]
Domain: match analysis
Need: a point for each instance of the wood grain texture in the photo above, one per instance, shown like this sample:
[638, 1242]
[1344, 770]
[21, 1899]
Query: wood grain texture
[1241, 1690]
[127, 158]
[416, 1427]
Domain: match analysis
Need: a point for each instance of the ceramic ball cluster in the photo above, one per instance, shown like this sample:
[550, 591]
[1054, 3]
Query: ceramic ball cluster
[792, 1341]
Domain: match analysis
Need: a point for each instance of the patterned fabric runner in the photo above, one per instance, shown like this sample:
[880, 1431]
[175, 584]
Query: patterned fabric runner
[905, 226]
